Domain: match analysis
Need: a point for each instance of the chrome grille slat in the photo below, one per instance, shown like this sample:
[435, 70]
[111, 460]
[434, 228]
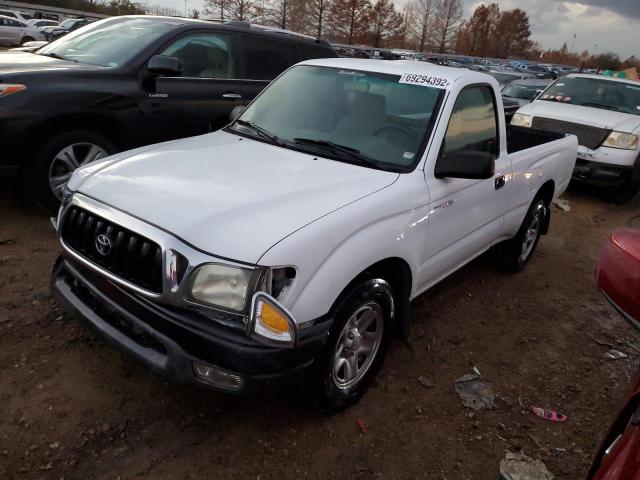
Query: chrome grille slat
[133, 257]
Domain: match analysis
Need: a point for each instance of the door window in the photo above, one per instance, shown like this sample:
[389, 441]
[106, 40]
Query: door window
[203, 55]
[473, 123]
[8, 22]
[265, 59]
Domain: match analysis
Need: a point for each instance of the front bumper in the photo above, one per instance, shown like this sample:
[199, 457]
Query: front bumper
[169, 341]
[601, 172]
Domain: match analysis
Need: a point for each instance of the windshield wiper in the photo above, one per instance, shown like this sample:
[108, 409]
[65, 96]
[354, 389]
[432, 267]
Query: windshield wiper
[342, 151]
[600, 105]
[58, 56]
[261, 131]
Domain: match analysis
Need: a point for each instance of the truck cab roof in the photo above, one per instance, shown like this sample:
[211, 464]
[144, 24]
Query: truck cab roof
[453, 76]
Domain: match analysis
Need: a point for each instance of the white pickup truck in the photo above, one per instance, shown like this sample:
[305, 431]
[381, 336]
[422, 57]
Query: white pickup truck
[604, 113]
[288, 245]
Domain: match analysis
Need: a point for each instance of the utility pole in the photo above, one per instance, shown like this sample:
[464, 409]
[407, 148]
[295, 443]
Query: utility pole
[573, 42]
[185, 8]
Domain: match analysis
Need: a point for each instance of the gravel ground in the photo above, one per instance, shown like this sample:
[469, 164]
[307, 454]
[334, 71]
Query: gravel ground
[72, 407]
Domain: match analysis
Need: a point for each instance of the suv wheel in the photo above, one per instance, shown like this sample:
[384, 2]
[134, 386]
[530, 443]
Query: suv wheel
[57, 159]
[357, 345]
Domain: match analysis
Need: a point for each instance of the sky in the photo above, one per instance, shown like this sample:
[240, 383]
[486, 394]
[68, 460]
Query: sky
[599, 25]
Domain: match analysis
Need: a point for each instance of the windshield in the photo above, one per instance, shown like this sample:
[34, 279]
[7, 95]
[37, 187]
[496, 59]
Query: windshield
[68, 23]
[521, 91]
[594, 92]
[108, 43]
[360, 117]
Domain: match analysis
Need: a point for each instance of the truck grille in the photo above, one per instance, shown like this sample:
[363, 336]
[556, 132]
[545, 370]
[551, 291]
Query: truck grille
[122, 252]
[590, 137]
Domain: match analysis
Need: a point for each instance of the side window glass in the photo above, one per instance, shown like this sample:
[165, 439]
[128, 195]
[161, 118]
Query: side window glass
[203, 55]
[265, 59]
[473, 124]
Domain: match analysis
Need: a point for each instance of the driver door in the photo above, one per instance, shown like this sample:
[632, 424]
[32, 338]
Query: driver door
[200, 99]
[466, 215]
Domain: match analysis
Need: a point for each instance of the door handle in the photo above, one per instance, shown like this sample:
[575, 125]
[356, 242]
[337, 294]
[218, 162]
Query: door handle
[231, 95]
[500, 182]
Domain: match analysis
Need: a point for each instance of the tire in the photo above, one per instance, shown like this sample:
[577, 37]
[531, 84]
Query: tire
[624, 193]
[513, 255]
[368, 302]
[55, 160]
[26, 39]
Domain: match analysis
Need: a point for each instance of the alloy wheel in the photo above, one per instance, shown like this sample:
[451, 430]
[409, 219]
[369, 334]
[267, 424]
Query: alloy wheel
[68, 160]
[357, 345]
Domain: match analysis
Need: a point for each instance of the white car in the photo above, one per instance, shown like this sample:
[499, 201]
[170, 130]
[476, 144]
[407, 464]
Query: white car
[288, 245]
[604, 113]
[23, 17]
[41, 22]
[16, 32]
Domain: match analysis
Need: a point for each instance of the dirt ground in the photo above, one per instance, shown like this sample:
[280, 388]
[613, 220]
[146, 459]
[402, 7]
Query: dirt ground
[72, 407]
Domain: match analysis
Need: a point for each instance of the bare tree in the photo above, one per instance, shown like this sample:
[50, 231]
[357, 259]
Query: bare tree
[385, 22]
[349, 20]
[216, 8]
[448, 16]
[318, 10]
[424, 12]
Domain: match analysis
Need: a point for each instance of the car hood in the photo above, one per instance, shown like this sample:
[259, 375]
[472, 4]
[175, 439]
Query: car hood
[230, 196]
[596, 117]
[16, 62]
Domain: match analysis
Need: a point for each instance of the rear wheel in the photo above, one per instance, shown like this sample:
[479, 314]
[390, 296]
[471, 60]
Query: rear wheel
[56, 160]
[26, 39]
[357, 345]
[512, 255]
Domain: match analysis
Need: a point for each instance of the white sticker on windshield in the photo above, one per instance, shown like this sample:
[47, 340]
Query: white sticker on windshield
[408, 155]
[424, 80]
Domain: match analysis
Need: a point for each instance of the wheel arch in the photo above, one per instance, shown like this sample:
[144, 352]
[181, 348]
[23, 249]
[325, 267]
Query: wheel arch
[397, 272]
[103, 124]
[546, 193]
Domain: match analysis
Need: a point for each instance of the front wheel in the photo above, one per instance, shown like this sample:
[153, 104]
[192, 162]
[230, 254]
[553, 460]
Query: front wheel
[512, 255]
[56, 160]
[357, 344]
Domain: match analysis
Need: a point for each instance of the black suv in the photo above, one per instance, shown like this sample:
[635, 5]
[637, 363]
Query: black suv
[125, 82]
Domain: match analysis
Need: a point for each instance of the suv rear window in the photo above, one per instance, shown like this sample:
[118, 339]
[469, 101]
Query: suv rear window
[265, 59]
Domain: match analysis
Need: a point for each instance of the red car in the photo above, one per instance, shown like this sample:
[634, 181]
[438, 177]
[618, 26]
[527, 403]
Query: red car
[618, 277]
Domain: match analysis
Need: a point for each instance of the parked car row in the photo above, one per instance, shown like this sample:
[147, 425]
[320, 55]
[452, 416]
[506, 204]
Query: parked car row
[18, 28]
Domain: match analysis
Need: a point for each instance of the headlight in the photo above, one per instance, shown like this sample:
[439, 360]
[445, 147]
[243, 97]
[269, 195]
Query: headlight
[221, 286]
[270, 322]
[521, 120]
[7, 89]
[625, 141]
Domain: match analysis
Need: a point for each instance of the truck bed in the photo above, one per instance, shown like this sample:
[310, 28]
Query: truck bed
[521, 138]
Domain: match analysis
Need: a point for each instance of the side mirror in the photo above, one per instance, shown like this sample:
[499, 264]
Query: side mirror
[466, 164]
[163, 65]
[236, 112]
[538, 92]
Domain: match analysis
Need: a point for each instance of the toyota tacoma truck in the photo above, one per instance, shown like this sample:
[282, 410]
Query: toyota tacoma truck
[288, 245]
[604, 113]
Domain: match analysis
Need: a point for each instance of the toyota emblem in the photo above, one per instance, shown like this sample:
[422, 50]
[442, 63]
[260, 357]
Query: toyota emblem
[103, 244]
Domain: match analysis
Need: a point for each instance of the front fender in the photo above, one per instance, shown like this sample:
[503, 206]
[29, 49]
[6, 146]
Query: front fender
[332, 251]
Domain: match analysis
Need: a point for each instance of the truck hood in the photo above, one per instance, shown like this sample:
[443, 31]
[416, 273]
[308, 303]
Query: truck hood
[16, 62]
[230, 196]
[596, 117]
